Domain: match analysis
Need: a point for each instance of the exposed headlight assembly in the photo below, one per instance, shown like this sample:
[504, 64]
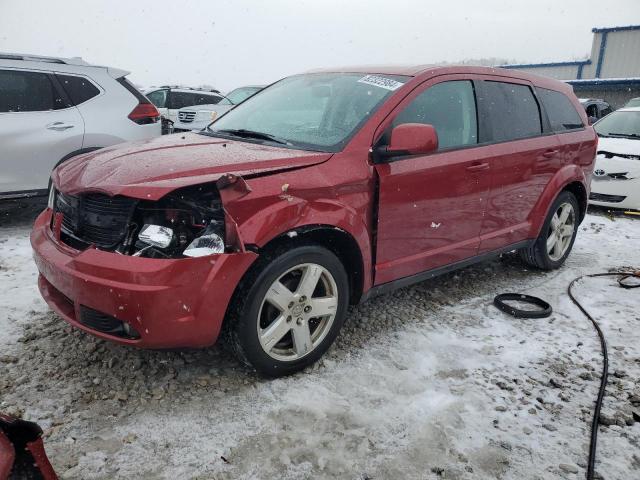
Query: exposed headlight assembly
[209, 243]
[52, 197]
[186, 223]
[156, 235]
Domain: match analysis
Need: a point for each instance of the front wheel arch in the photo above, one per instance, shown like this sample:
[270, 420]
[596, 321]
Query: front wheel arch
[334, 239]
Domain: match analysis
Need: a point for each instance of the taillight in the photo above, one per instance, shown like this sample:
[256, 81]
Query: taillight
[144, 113]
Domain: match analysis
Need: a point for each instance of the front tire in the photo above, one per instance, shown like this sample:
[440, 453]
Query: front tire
[289, 309]
[558, 233]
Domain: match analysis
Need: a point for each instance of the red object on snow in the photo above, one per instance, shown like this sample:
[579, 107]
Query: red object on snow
[22, 453]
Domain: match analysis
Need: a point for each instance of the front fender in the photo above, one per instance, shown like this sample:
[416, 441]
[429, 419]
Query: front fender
[270, 207]
[563, 177]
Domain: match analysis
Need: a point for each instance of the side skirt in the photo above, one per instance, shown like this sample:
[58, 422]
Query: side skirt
[426, 275]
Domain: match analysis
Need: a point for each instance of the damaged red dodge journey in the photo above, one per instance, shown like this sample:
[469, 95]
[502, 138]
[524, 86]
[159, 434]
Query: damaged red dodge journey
[318, 192]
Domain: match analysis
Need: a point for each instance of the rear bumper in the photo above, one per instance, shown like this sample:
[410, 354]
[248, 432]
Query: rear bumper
[171, 303]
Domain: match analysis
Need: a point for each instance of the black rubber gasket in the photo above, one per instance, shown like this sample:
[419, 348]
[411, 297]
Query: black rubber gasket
[544, 311]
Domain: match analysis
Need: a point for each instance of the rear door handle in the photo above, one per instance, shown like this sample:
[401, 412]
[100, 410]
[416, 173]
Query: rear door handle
[549, 153]
[59, 126]
[478, 167]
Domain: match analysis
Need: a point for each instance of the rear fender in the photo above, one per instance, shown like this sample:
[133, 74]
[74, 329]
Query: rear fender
[566, 175]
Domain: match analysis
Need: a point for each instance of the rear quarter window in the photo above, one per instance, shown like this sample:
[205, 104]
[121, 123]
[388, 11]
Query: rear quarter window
[79, 89]
[512, 110]
[560, 111]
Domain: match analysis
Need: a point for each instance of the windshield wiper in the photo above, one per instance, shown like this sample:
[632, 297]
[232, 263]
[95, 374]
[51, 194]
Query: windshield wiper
[623, 135]
[244, 133]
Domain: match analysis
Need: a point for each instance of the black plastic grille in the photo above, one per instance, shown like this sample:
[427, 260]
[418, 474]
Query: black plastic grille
[601, 197]
[100, 321]
[94, 218]
[104, 323]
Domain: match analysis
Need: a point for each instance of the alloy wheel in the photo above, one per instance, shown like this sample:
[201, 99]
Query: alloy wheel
[297, 312]
[561, 229]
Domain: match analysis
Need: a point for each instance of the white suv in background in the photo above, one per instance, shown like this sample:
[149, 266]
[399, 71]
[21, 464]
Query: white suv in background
[52, 109]
[197, 117]
[169, 99]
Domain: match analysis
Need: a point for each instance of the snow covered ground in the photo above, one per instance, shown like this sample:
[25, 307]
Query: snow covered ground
[428, 382]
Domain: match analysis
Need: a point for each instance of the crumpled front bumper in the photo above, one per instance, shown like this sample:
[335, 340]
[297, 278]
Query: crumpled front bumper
[171, 303]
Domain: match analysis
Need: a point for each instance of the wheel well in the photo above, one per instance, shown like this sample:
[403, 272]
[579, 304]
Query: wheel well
[580, 193]
[339, 242]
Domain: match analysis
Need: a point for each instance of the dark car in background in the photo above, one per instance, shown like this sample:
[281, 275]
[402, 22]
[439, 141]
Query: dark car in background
[596, 108]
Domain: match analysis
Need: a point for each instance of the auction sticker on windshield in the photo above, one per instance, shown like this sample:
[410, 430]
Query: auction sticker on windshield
[382, 82]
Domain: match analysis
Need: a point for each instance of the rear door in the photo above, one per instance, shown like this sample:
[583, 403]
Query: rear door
[524, 157]
[431, 206]
[38, 127]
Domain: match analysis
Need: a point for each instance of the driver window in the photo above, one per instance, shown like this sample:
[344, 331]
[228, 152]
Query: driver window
[451, 108]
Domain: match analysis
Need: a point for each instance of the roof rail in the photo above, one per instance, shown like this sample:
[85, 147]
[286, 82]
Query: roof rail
[40, 58]
[182, 87]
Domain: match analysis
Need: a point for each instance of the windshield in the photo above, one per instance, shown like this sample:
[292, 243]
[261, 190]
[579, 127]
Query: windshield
[619, 124]
[634, 102]
[318, 111]
[239, 95]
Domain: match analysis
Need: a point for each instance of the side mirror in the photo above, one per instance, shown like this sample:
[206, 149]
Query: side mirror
[410, 139]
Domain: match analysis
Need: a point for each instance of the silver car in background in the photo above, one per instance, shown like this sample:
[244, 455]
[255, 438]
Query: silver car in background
[199, 116]
[52, 109]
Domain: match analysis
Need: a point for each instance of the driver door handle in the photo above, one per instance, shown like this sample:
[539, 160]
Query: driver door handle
[478, 167]
[60, 126]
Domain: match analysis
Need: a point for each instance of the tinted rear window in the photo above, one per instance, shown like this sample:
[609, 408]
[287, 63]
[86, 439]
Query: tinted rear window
[560, 111]
[22, 91]
[188, 99]
[79, 89]
[512, 109]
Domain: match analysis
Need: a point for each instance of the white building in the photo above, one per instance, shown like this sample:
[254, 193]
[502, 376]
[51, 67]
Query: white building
[612, 72]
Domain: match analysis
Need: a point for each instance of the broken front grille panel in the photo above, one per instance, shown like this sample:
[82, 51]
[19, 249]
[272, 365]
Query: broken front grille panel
[94, 219]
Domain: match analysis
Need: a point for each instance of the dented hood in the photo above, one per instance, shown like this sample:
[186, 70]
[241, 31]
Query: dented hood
[152, 168]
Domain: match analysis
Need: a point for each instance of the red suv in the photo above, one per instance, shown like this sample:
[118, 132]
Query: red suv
[320, 191]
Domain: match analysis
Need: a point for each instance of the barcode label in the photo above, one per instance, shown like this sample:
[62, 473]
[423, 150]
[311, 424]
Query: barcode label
[382, 82]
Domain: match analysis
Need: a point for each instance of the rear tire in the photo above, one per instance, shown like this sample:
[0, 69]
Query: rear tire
[271, 324]
[558, 233]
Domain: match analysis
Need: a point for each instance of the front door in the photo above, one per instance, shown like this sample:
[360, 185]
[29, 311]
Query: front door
[431, 206]
[37, 129]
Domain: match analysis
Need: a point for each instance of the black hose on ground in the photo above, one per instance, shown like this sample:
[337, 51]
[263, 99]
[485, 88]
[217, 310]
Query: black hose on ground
[622, 281]
[625, 281]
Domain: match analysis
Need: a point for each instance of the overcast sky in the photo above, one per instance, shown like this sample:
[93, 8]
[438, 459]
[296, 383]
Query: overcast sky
[237, 42]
